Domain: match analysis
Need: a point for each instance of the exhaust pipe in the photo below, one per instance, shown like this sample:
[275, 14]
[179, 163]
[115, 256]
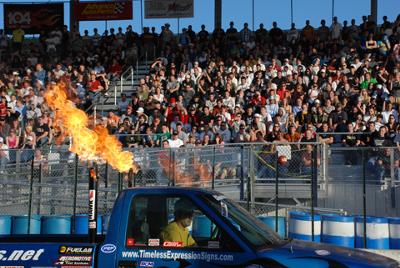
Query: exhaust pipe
[92, 205]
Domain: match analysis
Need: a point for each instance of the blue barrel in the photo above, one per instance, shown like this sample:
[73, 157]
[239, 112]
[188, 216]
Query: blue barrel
[377, 232]
[201, 226]
[56, 224]
[105, 219]
[20, 224]
[338, 230]
[5, 225]
[300, 226]
[394, 233]
[82, 224]
[270, 222]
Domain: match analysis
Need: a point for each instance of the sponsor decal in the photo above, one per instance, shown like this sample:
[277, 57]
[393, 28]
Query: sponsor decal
[7, 266]
[108, 248]
[173, 255]
[147, 264]
[92, 205]
[21, 255]
[74, 260]
[153, 242]
[75, 250]
[213, 244]
[322, 252]
[173, 244]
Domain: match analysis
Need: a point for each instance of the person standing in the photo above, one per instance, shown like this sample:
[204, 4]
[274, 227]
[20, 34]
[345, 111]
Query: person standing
[18, 36]
[4, 156]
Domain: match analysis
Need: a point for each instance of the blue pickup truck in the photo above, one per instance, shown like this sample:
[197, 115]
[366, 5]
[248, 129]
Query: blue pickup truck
[224, 235]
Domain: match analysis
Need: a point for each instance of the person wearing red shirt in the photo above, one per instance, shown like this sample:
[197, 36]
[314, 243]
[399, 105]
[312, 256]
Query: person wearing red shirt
[114, 70]
[3, 108]
[258, 99]
[94, 85]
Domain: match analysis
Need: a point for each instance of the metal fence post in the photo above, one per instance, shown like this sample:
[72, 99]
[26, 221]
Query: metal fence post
[30, 196]
[213, 169]
[241, 172]
[174, 167]
[249, 176]
[314, 164]
[276, 190]
[364, 198]
[119, 182]
[75, 192]
[392, 179]
[170, 167]
[40, 189]
[251, 180]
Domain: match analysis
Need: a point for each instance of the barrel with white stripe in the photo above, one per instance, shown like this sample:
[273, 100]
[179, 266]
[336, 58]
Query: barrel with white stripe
[394, 233]
[300, 226]
[338, 230]
[377, 232]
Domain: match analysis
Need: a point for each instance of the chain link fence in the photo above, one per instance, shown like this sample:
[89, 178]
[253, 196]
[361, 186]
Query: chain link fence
[264, 176]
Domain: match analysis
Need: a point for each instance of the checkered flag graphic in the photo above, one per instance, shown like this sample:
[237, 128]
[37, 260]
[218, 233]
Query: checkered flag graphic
[119, 7]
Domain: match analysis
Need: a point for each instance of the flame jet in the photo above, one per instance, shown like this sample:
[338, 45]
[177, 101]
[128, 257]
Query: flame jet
[95, 145]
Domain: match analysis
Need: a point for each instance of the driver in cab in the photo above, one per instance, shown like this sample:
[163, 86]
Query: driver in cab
[176, 231]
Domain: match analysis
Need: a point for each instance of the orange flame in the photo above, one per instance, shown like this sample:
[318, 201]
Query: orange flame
[89, 144]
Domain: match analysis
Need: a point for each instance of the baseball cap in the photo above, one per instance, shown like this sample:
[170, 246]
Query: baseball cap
[1, 140]
[140, 110]
[257, 115]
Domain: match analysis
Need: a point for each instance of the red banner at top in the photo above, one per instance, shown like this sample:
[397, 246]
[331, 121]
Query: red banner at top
[118, 10]
[33, 18]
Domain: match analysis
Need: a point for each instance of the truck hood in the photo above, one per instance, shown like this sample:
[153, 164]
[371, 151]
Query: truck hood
[298, 253]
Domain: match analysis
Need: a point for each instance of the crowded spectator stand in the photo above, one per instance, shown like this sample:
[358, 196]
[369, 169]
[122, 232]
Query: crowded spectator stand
[206, 88]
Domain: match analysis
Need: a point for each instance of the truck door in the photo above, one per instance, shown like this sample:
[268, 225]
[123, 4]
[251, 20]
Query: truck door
[155, 236]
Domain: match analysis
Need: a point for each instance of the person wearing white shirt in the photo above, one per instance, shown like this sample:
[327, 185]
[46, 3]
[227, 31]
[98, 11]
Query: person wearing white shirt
[175, 142]
[388, 111]
[4, 155]
[336, 29]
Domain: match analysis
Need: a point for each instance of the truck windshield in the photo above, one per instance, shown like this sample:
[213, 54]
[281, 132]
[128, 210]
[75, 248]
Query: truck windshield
[254, 231]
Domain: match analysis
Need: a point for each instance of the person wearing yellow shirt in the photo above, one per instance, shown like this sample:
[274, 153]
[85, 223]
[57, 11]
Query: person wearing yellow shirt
[176, 231]
[18, 38]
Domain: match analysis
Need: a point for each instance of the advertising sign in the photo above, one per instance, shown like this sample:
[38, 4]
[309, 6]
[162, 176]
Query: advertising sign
[33, 18]
[116, 10]
[168, 9]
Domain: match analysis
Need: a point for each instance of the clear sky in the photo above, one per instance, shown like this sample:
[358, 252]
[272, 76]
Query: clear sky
[240, 11]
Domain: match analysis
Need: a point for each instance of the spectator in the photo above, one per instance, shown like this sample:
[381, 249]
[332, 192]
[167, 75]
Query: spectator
[18, 36]
[175, 142]
[4, 156]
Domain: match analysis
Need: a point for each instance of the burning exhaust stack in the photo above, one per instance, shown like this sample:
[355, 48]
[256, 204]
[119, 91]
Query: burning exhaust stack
[92, 205]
